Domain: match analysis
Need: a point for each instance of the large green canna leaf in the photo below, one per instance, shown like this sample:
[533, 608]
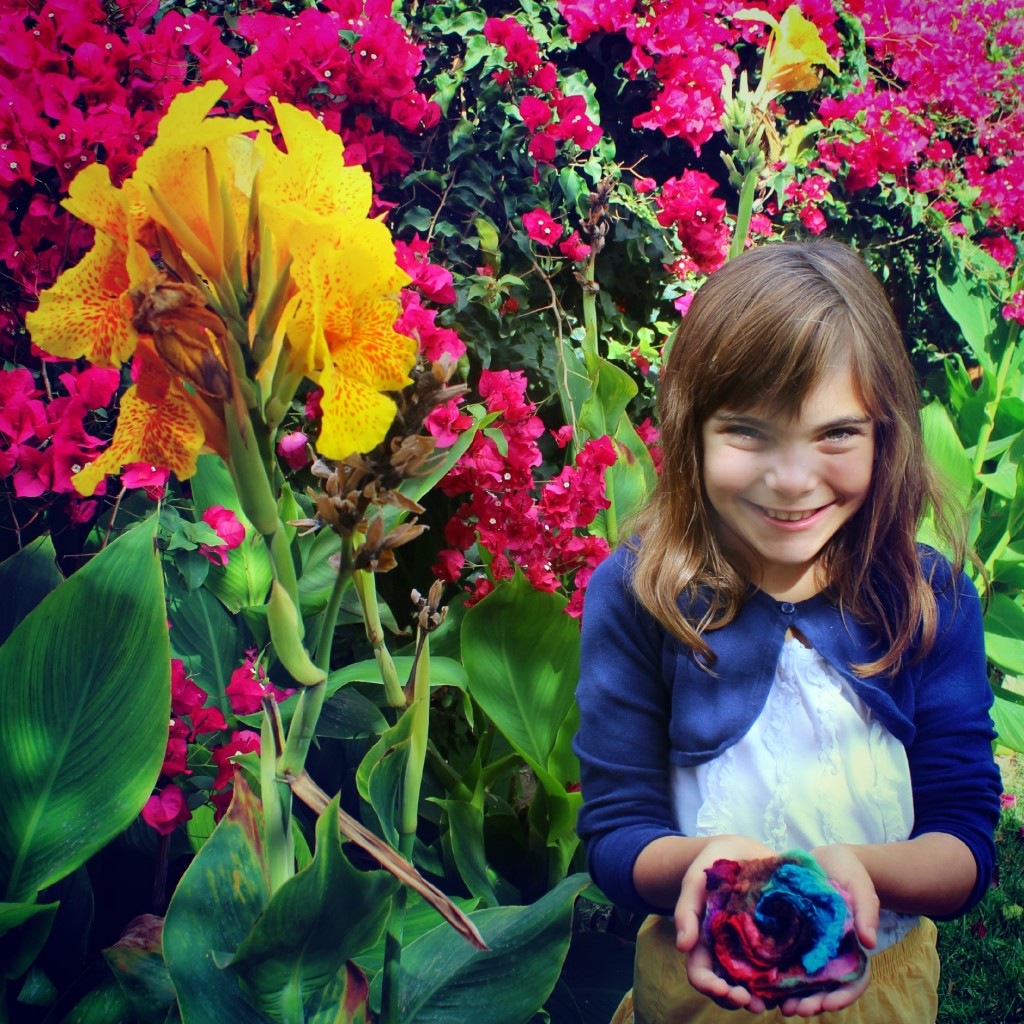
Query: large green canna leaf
[381, 773]
[84, 701]
[522, 658]
[971, 308]
[25, 579]
[946, 451]
[1004, 633]
[24, 927]
[314, 923]
[1008, 718]
[445, 979]
[216, 903]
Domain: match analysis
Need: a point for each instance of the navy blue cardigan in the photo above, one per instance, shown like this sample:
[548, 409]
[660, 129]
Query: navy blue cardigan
[646, 703]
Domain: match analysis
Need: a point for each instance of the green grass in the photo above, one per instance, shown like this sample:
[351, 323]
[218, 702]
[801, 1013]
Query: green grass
[982, 954]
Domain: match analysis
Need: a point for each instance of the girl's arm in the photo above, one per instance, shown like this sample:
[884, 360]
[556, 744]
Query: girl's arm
[932, 874]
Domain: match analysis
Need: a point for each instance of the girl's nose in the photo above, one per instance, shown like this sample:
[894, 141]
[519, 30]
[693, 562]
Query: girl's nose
[791, 474]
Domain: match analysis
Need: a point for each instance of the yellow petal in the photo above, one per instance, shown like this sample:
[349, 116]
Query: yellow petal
[174, 168]
[311, 180]
[373, 352]
[339, 267]
[167, 435]
[92, 198]
[356, 417]
[86, 312]
[793, 51]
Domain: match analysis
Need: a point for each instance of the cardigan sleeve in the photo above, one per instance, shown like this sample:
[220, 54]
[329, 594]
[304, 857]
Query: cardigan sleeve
[956, 783]
[623, 737]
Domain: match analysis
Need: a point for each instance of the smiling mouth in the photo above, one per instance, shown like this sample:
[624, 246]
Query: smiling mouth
[783, 516]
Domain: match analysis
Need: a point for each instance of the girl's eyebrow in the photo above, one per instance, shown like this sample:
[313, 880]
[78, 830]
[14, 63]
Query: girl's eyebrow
[836, 424]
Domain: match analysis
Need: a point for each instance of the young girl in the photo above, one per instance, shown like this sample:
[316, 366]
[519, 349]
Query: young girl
[774, 663]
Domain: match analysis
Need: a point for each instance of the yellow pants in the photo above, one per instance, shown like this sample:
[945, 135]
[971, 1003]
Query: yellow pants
[903, 987]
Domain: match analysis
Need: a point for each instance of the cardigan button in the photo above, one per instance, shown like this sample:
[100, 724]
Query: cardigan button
[787, 607]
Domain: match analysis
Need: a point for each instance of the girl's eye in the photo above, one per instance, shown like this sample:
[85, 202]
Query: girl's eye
[741, 431]
[840, 435]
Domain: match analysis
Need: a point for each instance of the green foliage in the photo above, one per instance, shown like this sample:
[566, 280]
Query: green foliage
[975, 439]
[72, 779]
[982, 954]
[442, 981]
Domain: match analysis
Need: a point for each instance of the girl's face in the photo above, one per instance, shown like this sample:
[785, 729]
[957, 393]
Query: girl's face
[781, 485]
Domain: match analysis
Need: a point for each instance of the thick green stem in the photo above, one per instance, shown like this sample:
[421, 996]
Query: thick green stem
[391, 972]
[590, 308]
[408, 819]
[366, 588]
[302, 727]
[253, 487]
[325, 636]
[743, 213]
[277, 810]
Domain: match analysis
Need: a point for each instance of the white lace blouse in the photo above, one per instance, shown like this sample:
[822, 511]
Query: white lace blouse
[814, 768]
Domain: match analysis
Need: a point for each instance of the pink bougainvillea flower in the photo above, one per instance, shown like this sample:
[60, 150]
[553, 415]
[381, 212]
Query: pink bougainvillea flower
[207, 720]
[1007, 800]
[534, 112]
[1014, 309]
[186, 696]
[228, 528]
[563, 435]
[96, 386]
[542, 227]
[574, 247]
[293, 449]
[1001, 249]
[444, 423]
[176, 753]
[242, 741]
[166, 810]
[645, 185]
[142, 474]
[249, 685]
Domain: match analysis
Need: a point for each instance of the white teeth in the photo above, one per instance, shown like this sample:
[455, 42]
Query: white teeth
[788, 517]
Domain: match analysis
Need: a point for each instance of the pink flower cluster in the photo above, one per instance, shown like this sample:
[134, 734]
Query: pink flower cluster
[681, 46]
[952, 62]
[191, 720]
[541, 527]
[44, 443]
[543, 229]
[551, 117]
[686, 203]
[435, 284]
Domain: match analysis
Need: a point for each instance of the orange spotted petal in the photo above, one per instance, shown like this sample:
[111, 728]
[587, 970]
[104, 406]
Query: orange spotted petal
[168, 435]
[374, 353]
[311, 180]
[87, 311]
[355, 416]
[92, 198]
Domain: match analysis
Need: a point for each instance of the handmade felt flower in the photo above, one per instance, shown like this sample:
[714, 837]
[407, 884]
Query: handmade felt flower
[779, 927]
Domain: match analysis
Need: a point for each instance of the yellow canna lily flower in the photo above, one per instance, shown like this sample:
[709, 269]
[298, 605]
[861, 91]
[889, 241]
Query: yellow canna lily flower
[230, 214]
[793, 51]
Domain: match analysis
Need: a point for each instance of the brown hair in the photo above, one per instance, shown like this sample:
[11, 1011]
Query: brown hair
[763, 331]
